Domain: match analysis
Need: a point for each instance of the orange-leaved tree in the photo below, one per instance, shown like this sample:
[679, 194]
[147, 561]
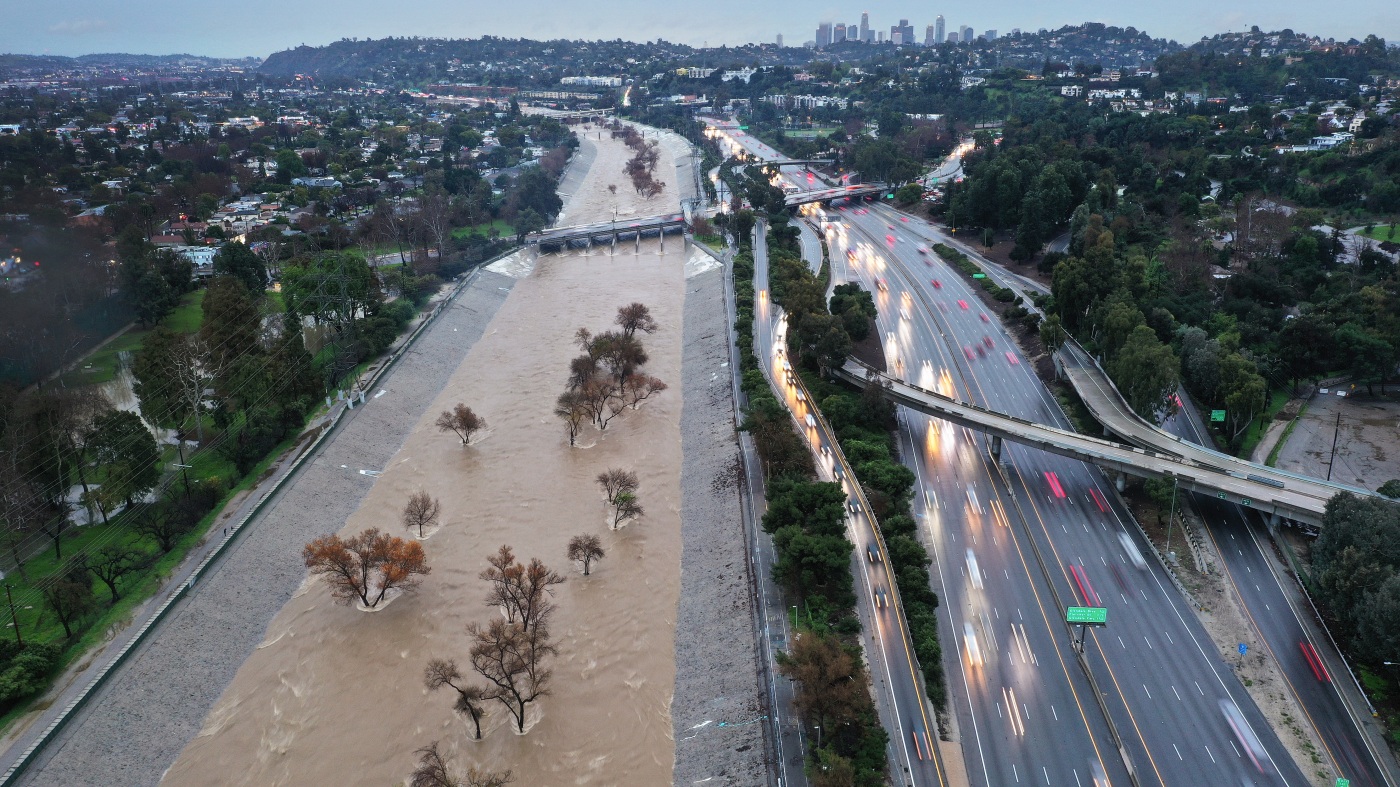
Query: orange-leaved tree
[366, 566]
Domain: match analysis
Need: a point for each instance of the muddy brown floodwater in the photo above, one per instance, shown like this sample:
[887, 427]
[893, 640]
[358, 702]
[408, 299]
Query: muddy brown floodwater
[335, 696]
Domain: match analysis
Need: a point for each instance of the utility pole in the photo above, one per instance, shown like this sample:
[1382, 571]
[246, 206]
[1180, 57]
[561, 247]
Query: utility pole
[14, 621]
[1332, 459]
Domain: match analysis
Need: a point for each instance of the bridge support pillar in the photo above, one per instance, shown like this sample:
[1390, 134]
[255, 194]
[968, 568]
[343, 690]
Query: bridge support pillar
[996, 447]
[663, 241]
[1118, 482]
[1272, 520]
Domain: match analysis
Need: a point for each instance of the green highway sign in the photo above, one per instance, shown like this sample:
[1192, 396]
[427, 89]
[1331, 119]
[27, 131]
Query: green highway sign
[1246, 502]
[743, 128]
[1343, 782]
[979, 275]
[1221, 495]
[1217, 416]
[1094, 616]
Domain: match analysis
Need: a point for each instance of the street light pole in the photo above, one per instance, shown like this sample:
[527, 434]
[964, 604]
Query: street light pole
[1171, 517]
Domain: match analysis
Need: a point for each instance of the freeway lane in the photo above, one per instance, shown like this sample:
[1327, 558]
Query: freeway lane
[1182, 736]
[1025, 712]
[904, 711]
[1335, 711]
[1319, 690]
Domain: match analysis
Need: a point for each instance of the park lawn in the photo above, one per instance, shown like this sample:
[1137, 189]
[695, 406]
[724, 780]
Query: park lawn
[102, 364]
[504, 229]
[809, 133]
[1381, 232]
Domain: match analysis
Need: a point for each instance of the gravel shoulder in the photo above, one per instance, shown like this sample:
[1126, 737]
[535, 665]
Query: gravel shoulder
[717, 707]
[133, 728]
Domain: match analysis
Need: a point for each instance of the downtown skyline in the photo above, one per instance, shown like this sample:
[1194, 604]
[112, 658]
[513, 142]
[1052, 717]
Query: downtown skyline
[76, 27]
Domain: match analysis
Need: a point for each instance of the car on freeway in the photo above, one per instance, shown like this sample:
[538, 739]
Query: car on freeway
[962, 305]
[987, 340]
[923, 250]
[880, 282]
[974, 572]
[974, 653]
[872, 553]
[1134, 554]
[968, 352]
[1011, 358]
[937, 285]
[882, 599]
[1253, 748]
[985, 318]
[811, 422]
[903, 313]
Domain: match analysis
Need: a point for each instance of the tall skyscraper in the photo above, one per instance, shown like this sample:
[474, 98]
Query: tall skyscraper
[902, 33]
[929, 40]
[852, 32]
[938, 29]
[990, 35]
[839, 34]
[824, 34]
[780, 40]
[964, 34]
[865, 26]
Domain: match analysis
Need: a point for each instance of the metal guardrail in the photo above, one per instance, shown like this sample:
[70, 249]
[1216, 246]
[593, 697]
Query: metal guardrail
[100, 678]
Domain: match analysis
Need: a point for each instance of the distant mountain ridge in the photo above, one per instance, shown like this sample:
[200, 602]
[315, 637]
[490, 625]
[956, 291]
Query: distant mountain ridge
[11, 63]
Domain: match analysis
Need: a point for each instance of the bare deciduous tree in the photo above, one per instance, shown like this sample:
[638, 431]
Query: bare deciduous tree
[366, 566]
[615, 481]
[637, 388]
[111, 563]
[510, 656]
[421, 511]
[625, 506]
[444, 672]
[461, 421]
[522, 590]
[635, 317]
[572, 408]
[434, 771]
[586, 548]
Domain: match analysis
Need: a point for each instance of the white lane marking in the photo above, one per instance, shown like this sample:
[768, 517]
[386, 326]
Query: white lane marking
[1198, 688]
[1211, 756]
[1149, 693]
[1177, 693]
[1178, 752]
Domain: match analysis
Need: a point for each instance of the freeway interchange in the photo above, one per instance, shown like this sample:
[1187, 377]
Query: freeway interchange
[1017, 539]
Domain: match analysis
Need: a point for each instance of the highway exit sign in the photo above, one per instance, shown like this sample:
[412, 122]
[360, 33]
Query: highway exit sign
[1217, 416]
[979, 275]
[1093, 616]
[1344, 783]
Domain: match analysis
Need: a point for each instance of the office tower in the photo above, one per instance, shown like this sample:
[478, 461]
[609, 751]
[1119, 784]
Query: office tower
[839, 34]
[852, 32]
[929, 40]
[938, 30]
[780, 40]
[1015, 32]
[880, 37]
[964, 33]
[990, 35]
[824, 34]
[865, 26]
[902, 33]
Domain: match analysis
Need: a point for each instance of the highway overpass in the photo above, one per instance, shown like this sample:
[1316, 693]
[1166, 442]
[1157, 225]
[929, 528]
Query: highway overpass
[1296, 500]
[607, 232]
[1107, 404]
[827, 195]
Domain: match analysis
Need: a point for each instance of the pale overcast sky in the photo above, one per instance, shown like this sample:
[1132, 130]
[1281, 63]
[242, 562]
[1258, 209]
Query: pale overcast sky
[260, 27]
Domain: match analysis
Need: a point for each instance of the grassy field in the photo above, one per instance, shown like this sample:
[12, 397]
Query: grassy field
[809, 133]
[1381, 232]
[101, 366]
[505, 229]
